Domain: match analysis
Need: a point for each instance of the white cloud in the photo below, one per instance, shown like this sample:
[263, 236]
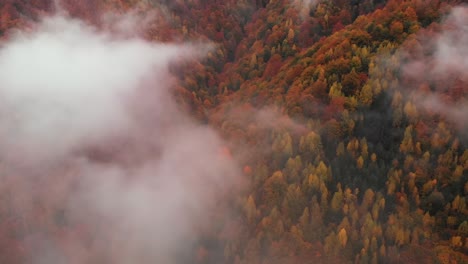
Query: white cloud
[91, 114]
[445, 66]
[304, 6]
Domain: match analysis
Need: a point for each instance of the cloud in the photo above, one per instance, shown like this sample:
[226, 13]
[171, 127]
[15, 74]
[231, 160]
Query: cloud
[441, 62]
[90, 133]
[304, 6]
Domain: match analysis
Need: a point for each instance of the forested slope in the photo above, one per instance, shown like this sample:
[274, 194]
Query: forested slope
[347, 117]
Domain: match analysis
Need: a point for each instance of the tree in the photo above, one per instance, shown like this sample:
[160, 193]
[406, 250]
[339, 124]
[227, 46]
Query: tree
[331, 245]
[411, 112]
[273, 66]
[291, 35]
[335, 90]
[336, 203]
[407, 145]
[282, 147]
[294, 203]
[360, 162]
[396, 29]
[250, 210]
[368, 199]
[351, 82]
[366, 95]
[274, 190]
[316, 220]
[304, 224]
[343, 237]
[311, 146]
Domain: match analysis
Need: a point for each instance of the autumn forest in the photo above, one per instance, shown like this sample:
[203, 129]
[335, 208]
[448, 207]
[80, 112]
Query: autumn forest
[235, 131]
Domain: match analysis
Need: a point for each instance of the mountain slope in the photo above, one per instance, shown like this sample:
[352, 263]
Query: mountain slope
[347, 117]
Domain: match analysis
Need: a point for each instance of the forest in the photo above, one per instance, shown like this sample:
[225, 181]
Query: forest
[323, 131]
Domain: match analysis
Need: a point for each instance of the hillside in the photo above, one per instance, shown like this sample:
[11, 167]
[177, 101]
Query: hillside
[280, 131]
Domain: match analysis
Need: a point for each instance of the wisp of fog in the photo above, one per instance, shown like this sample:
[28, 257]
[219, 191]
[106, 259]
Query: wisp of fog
[447, 64]
[90, 133]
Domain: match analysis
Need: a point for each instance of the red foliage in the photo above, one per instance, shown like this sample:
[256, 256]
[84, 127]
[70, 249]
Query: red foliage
[247, 170]
[337, 27]
[422, 131]
[273, 66]
[335, 108]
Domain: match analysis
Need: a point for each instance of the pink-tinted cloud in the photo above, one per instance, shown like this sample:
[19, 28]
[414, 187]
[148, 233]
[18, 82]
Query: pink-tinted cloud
[89, 131]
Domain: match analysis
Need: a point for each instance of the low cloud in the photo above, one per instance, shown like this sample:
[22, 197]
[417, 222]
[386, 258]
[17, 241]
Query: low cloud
[304, 6]
[439, 64]
[90, 133]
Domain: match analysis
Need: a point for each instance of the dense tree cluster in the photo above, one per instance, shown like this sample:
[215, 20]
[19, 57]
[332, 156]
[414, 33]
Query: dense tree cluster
[373, 177]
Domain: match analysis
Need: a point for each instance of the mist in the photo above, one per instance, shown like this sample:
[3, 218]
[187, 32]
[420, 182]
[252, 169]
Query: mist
[304, 6]
[442, 63]
[92, 140]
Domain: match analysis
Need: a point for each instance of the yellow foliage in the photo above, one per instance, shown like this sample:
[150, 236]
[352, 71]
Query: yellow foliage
[360, 162]
[343, 237]
[456, 241]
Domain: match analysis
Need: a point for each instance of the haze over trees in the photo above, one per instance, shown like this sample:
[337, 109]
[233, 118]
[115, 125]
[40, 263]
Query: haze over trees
[207, 131]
